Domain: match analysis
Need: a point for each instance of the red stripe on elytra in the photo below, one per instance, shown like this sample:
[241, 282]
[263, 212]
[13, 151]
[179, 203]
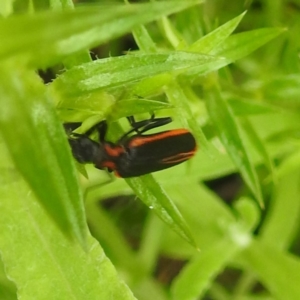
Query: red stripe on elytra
[178, 157]
[139, 141]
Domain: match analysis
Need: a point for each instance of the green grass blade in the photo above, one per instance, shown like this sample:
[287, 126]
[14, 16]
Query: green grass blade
[216, 37]
[143, 40]
[38, 145]
[170, 33]
[242, 44]
[153, 195]
[228, 131]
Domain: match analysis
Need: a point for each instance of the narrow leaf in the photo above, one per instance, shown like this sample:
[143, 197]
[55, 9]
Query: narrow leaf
[170, 33]
[152, 194]
[223, 119]
[119, 71]
[242, 44]
[216, 37]
[144, 40]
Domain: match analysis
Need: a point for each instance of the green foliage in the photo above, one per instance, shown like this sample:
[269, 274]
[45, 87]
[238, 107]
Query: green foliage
[231, 77]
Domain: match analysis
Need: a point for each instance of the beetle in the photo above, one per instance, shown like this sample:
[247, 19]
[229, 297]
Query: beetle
[134, 154]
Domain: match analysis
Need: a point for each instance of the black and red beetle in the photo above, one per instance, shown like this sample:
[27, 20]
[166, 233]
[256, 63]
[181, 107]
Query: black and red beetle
[137, 154]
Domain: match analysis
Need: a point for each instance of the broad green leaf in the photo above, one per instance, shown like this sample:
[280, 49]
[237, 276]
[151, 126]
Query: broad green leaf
[39, 149]
[40, 260]
[282, 220]
[223, 119]
[46, 37]
[196, 276]
[153, 195]
[277, 270]
[123, 70]
[216, 37]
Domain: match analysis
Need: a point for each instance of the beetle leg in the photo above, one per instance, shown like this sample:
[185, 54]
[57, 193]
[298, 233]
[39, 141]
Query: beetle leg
[136, 125]
[102, 129]
[145, 125]
[157, 122]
